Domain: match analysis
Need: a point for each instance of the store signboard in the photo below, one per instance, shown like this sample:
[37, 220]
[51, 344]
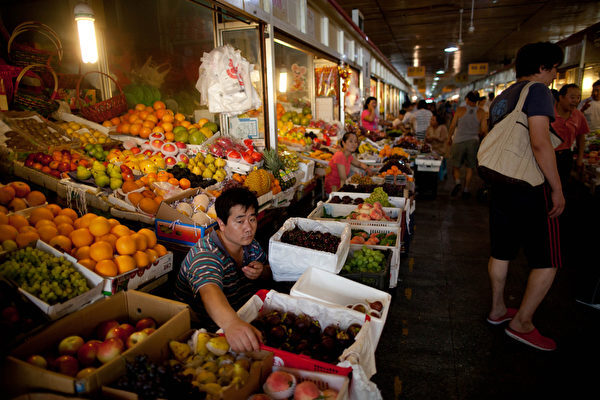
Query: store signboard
[420, 83]
[478, 69]
[416, 72]
[447, 89]
[244, 127]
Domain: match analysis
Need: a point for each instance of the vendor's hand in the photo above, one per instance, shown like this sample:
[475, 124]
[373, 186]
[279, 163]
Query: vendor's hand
[370, 171]
[253, 270]
[242, 337]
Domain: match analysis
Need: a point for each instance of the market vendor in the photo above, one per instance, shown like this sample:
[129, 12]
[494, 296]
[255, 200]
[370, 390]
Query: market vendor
[341, 161]
[369, 118]
[220, 272]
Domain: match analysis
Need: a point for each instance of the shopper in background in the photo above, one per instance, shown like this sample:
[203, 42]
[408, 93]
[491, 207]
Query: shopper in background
[341, 161]
[369, 117]
[522, 215]
[437, 135]
[420, 119]
[218, 274]
[468, 124]
[590, 107]
[408, 117]
[570, 124]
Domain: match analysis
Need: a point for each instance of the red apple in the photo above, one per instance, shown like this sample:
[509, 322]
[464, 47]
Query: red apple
[55, 173]
[46, 159]
[70, 345]
[129, 329]
[148, 152]
[64, 166]
[117, 332]
[84, 373]
[135, 150]
[170, 161]
[87, 353]
[54, 164]
[67, 365]
[38, 360]
[109, 350]
[149, 331]
[181, 145]
[135, 338]
[157, 144]
[144, 323]
[169, 147]
[182, 157]
[105, 326]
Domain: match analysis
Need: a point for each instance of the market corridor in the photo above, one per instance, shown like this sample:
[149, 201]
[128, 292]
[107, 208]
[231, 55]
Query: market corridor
[436, 343]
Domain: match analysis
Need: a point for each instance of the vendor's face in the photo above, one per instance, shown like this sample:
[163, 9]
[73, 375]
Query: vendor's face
[433, 121]
[241, 225]
[372, 104]
[571, 99]
[351, 143]
[596, 92]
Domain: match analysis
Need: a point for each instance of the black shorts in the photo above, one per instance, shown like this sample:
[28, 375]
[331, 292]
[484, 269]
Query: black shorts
[519, 218]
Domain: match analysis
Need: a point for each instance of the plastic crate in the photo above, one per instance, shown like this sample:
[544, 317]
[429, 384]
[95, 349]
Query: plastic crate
[395, 249]
[378, 280]
[322, 380]
[342, 210]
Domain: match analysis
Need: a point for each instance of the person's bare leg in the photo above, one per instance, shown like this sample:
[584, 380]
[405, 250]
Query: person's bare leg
[456, 175]
[497, 270]
[539, 282]
[468, 176]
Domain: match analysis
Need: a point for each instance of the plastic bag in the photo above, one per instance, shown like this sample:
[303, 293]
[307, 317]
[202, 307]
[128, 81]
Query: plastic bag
[361, 388]
[224, 82]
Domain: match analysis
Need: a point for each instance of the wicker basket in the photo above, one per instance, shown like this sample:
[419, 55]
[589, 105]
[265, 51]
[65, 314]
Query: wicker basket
[23, 55]
[35, 101]
[103, 110]
[8, 73]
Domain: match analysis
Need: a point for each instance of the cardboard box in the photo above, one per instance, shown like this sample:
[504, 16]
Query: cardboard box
[173, 226]
[172, 317]
[328, 288]
[58, 310]
[258, 374]
[139, 276]
[38, 177]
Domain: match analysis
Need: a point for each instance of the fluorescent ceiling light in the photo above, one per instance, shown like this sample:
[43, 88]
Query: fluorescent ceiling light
[87, 34]
[451, 49]
[440, 72]
[437, 78]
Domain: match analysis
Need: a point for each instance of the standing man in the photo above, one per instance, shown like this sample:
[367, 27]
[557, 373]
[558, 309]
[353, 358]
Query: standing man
[523, 215]
[421, 119]
[468, 124]
[571, 126]
[218, 274]
[408, 117]
[590, 107]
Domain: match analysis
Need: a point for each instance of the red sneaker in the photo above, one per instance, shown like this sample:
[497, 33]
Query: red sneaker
[510, 314]
[533, 339]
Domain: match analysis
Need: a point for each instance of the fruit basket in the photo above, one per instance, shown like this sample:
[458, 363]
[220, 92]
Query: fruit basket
[289, 261]
[340, 212]
[379, 280]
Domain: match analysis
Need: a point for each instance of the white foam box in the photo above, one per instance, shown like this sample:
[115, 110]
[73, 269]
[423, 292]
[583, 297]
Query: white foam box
[139, 276]
[288, 261]
[307, 167]
[58, 310]
[323, 380]
[328, 288]
[395, 263]
[399, 202]
[343, 210]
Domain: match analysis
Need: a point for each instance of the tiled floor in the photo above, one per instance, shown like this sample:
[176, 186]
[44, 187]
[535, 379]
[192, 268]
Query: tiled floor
[436, 343]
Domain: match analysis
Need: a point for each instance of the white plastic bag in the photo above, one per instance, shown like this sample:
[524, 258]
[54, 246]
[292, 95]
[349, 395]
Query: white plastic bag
[224, 82]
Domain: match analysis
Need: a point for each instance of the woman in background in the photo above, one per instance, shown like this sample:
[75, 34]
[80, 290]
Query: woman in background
[369, 118]
[341, 161]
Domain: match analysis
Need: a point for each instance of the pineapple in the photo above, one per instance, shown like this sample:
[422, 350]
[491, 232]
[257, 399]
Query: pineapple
[272, 162]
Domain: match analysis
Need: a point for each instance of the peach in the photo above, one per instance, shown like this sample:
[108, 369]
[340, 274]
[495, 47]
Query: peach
[105, 326]
[67, 365]
[280, 384]
[307, 390]
[87, 352]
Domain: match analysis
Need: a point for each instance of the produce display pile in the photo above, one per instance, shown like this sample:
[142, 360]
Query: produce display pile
[365, 260]
[322, 241]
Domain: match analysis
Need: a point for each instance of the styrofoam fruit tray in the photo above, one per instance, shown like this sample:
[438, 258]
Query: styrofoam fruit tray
[399, 202]
[323, 380]
[343, 210]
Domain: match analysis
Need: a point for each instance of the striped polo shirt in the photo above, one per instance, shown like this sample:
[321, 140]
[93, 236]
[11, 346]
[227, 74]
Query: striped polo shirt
[208, 262]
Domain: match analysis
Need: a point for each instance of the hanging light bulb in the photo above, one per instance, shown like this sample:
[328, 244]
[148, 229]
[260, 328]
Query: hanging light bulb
[471, 26]
[84, 16]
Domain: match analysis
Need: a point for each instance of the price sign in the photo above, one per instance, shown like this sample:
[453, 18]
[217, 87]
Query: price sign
[244, 127]
[415, 72]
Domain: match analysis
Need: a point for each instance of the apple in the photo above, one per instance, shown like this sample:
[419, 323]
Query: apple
[64, 166]
[117, 332]
[11, 314]
[148, 331]
[157, 136]
[157, 144]
[70, 345]
[148, 152]
[169, 147]
[46, 159]
[29, 162]
[105, 326]
[54, 164]
[135, 338]
[85, 372]
[109, 350]
[128, 328]
[87, 352]
[181, 145]
[182, 157]
[144, 323]
[55, 173]
[38, 360]
[67, 365]
[170, 161]
[135, 150]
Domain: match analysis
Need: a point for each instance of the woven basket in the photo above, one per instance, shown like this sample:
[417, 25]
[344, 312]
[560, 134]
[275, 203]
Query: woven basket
[23, 55]
[8, 73]
[105, 109]
[35, 101]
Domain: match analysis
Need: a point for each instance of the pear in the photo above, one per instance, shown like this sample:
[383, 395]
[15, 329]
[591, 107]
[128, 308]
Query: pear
[196, 170]
[98, 166]
[83, 173]
[201, 341]
[209, 159]
[218, 345]
[115, 183]
[180, 350]
[115, 173]
[207, 174]
[102, 180]
[210, 366]
[212, 167]
[205, 376]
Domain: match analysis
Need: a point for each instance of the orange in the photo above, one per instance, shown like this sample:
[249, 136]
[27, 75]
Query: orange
[135, 198]
[40, 213]
[113, 222]
[158, 129]
[27, 228]
[173, 181]
[65, 229]
[43, 222]
[126, 245]
[129, 186]
[88, 263]
[149, 109]
[150, 236]
[141, 259]
[167, 126]
[168, 118]
[62, 219]
[101, 251]
[160, 113]
[35, 198]
[106, 268]
[143, 114]
[7, 194]
[17, 221]
[145, 132]
[158, 105]
[125, 263]
[61, 241]
[8, 232]
[120, 230]
[152, 118]
[81, 237]
[135, 129]
[69, 212]
[184, 183]
[141, 243]
[110, 238]
[140, 107]
[124, 128]
[87, 219]
[17, 204]
[115, 121]
[3, 209]
[179, 117]
[152, 255]
[148, 124]
[3, 218]
[170, 136]
[82, 253]
[187, 124]
[160, 249]
[107, 124]
[55, 208]
[148, 206]
[47, 232]
[23, 239]
[99, 226]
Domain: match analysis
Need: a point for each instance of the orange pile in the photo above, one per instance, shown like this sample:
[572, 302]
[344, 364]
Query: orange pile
[18, 196]
[143, 120]
[100, 244]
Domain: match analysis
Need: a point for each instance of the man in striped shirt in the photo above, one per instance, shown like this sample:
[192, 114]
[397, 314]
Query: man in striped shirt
[219, 272]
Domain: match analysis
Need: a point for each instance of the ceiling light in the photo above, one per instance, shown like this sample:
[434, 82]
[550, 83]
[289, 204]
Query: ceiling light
[440, 72]
[437, 78]
[87, 34]
[471, 26]
[451, 49]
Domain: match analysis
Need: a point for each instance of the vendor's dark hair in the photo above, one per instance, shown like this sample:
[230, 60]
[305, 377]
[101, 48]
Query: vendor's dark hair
[236, 196]
[406, 104]
[532, 56]
[597, 83]
[347, 135]
[441, 120]
[403, 111]
[565, 88]
[367, 101]
[421, 104]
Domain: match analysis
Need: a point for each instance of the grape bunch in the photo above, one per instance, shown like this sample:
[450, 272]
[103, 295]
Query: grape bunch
[379, 195]
[365, 260]
[322, 241]
[49, 278]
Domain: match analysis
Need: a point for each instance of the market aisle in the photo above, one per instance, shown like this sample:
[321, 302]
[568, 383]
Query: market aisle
[436, 343]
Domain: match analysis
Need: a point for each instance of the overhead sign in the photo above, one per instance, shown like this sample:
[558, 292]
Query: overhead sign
[461, 78]
[478, 69]
[447, 89]
[416, 72]
[420, 83]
